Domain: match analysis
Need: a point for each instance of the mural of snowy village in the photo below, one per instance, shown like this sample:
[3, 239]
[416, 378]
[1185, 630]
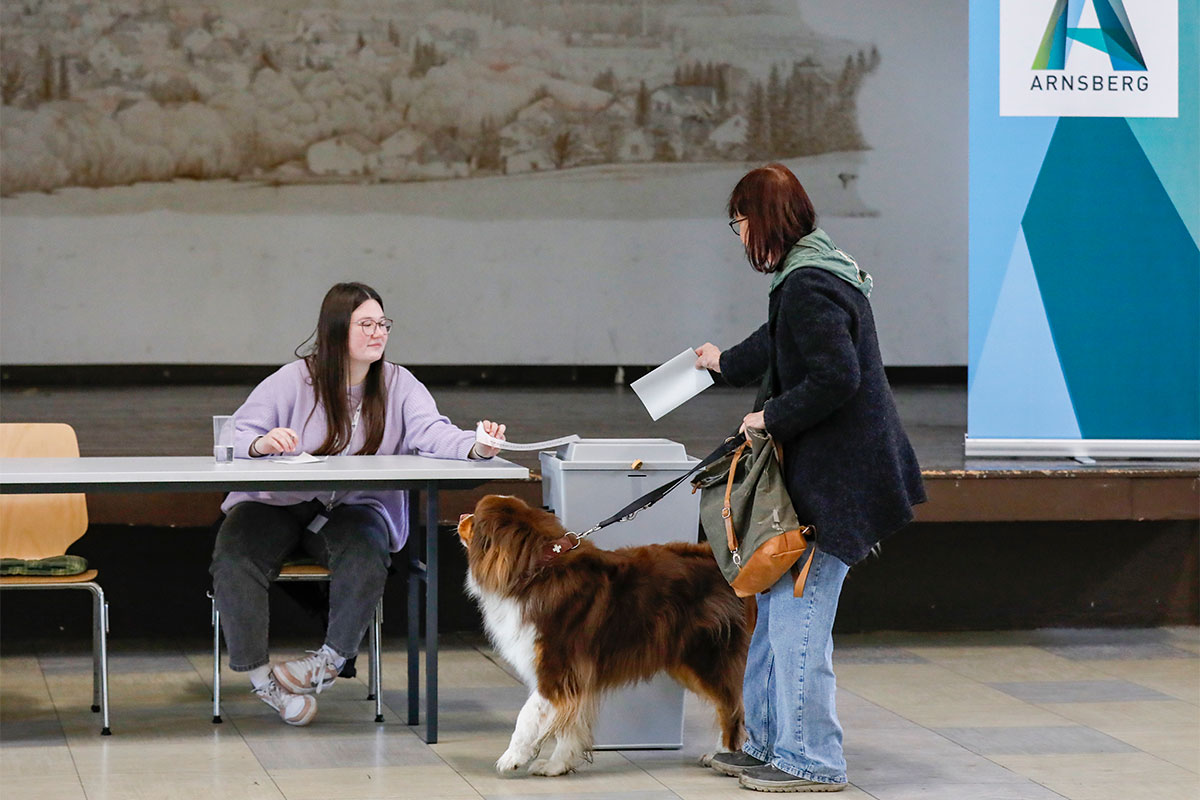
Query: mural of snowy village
[525, 181]
[100, 94]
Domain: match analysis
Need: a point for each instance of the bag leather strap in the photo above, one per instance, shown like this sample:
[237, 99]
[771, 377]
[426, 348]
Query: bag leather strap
[801, 575]
[726, 509]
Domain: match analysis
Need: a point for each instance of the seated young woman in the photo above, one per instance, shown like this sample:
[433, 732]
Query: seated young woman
[340, 397]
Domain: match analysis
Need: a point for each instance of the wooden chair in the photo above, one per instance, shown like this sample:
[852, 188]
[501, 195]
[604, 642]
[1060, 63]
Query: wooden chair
[301, 573]
[36, 526]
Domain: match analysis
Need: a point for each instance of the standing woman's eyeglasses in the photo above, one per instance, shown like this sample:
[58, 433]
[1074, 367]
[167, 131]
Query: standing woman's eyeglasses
[368, 325]
[735, 225]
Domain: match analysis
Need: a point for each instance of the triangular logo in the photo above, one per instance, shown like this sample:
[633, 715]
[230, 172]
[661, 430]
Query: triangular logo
[1114, 36]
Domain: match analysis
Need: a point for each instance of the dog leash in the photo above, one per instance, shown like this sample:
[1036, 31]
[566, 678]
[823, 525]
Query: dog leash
[570, 540]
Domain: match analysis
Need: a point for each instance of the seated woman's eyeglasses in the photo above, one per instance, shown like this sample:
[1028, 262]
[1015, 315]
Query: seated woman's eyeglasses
[368, 325]
[735, 225]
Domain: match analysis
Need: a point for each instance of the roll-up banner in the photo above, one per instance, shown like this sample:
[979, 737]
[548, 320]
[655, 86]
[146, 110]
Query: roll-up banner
[1084, 266]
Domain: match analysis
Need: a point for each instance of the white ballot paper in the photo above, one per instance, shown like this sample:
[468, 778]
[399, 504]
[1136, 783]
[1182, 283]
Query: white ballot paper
[665, 388]
[299, 458]
[503, 444]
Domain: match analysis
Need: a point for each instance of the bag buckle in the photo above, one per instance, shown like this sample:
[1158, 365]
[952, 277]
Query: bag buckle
[737, 559]
[725, 512]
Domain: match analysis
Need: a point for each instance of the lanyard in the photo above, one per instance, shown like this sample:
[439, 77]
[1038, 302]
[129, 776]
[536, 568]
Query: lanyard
[353, 428]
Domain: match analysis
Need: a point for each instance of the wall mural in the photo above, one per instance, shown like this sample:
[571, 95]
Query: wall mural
[101, 94]
[525, 181]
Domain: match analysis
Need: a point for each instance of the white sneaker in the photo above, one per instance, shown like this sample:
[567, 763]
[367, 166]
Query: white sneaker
[294, 709]
[307, 675]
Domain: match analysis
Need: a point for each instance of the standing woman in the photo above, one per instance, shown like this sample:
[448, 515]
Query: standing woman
[849, 468]
[342, 397]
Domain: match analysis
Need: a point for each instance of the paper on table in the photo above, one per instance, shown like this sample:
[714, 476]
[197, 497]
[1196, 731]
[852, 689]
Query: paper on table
[665, 388]
[299, 458]
[504, 444]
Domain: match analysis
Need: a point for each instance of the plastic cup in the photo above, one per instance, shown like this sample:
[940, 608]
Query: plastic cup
[223, 439]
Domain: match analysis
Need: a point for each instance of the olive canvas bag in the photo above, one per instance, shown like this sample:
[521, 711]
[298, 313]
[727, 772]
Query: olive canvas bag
[746, 512]
[749, 521]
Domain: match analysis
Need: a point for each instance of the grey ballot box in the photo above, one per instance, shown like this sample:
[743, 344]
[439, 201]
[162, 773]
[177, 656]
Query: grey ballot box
[590, 480]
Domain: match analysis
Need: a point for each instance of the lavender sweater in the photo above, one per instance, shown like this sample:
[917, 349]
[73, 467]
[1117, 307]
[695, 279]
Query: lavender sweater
[413, 426]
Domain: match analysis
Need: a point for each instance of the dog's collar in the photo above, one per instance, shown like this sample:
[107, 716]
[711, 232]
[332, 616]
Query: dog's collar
[565, 544]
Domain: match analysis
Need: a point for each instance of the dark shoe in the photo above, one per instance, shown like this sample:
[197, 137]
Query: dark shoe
[769, 779]
[734, 764]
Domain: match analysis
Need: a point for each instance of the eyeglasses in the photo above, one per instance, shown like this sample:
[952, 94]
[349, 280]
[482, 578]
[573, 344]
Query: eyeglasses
[369, 325]
[735, 225]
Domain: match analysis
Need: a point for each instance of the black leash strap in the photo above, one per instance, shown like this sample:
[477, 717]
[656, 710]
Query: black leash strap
[570, 540]
[654, 495]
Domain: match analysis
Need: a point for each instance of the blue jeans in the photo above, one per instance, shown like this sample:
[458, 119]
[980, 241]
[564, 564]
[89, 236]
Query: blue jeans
[789, 690]
[252, 544]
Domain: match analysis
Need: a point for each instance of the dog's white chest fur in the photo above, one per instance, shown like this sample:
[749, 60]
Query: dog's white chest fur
[510, 633]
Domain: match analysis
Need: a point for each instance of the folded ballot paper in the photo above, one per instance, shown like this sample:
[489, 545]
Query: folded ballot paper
[665, 388]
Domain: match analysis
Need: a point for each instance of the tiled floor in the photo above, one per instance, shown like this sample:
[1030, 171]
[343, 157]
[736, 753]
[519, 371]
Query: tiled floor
[1087, 715]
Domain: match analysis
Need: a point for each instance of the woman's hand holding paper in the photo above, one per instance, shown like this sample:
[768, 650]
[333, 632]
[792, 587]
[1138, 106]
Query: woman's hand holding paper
[708, 356]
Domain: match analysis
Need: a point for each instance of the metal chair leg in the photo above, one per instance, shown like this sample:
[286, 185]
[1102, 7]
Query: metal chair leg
[99, 645]
[375, 660]
[376, 676]
[100, 655]
[97, 620]
[216, 624]
[371, 659]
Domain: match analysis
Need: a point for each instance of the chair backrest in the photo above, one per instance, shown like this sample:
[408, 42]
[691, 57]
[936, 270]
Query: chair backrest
[39, 525]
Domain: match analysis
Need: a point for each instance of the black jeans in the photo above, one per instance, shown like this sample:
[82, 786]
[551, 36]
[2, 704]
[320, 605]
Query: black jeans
[254, 541]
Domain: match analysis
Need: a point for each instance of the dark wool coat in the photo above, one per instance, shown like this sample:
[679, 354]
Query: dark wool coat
[849, 467]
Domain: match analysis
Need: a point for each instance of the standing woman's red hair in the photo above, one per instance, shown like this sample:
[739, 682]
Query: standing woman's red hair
[849, 468]
[777, 213]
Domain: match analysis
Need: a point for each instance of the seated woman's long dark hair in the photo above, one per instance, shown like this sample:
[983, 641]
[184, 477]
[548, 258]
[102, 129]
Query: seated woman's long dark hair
[328, 360]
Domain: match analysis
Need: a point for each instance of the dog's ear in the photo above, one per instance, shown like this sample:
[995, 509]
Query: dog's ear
[466, 528]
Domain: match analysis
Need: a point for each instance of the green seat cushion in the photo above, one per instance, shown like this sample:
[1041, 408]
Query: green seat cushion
[54, 566]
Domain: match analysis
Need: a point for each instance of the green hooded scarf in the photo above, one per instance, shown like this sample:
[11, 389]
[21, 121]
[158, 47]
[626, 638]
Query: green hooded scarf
[817, 250]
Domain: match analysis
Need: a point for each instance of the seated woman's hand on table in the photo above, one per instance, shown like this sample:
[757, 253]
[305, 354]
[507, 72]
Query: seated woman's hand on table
[275, 442]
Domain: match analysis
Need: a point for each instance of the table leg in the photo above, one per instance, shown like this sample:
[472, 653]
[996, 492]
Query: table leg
[431, 613]
[416, 576]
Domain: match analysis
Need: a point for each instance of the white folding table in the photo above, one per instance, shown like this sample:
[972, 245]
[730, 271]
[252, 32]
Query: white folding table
[202, 474]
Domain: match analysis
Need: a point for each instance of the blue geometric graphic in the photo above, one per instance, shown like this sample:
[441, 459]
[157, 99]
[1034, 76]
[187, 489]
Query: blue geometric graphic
[1019, 383]
[1114, 36]
[1004, 154]
[1172, 144]
[1084, 248]
[1119, 275]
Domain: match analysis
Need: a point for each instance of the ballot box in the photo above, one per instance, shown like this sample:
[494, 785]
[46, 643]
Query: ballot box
[589, 480]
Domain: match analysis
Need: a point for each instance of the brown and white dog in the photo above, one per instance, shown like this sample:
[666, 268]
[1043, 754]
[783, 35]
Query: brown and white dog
[575, 621]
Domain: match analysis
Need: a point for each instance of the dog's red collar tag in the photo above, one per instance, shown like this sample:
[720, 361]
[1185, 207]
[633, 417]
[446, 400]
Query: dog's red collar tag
[559, 546]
